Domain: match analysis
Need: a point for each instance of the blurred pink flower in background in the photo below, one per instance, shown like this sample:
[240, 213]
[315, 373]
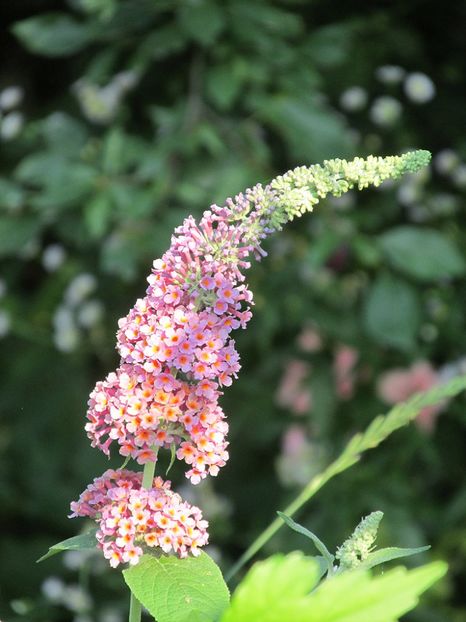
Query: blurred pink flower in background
[399, 384]
[299, 458]
[343, 368]
[291, 392]
[309, 340]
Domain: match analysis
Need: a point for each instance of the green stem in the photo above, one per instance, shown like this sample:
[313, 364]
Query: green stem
[147, 479]
[380, 429]
[134, 609]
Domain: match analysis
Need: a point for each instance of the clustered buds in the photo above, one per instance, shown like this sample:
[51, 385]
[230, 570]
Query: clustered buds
[177, 354]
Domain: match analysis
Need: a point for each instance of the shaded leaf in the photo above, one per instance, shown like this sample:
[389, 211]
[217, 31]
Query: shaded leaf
[386, 555]
[392, 313]
[422, 253]
[83, 542]
[320, 546]
[53, 34]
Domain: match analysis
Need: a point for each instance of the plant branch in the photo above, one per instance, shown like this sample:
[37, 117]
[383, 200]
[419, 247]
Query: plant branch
[380, 428]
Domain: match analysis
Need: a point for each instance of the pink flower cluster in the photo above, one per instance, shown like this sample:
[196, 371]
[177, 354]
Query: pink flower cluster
[143, 412]
[132, 519]
[399, 384]
[175, 345]
[176, 354]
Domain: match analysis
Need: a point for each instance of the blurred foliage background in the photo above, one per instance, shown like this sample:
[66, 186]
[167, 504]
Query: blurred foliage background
[119, 118]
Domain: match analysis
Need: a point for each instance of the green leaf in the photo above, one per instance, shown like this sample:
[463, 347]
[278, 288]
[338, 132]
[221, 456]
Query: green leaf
[357, 597]
[320, 546]
[273, 590]
[64, 134]
[386, 555]
[15, 233]
[11, 195]
[312, 130]
[422, 253]
[277, 589]
[179, 590]
[97, 214]
[202, 20]
[392, 313]
[53, 34]
[172, 458]
[83, 542]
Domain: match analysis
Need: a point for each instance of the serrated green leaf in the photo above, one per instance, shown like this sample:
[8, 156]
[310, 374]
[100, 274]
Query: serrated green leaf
[422, 253]
[320, 546]
[179, 590]
[382, 556]
[356, 596]
[53, 34]
[278, 588]
[83, 542]
[391, 313]
[273, 590]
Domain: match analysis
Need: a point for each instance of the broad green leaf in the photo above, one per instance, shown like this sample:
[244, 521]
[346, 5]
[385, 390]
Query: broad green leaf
[64, 134]
[356, 596]
[202, 20]
[391, 313]
[273, 590]
[320, 546]
[386, 555]
[422, 253]
[277, 589]
[179, 590]
[15, 233]
[312, 130]
[53, 34]
[83, 542]
[11, 195]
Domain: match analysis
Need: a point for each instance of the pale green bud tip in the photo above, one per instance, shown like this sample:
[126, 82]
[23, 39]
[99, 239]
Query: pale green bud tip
[358, 546]
[415, 160]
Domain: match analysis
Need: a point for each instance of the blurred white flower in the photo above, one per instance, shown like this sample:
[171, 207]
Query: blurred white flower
[459, 176]
[5, 323]
[80, 288]
[390, 74]
[446, 161]
[53, 589]
[385, 110]
[419, 88]
[67, 339]
[408, 193]
[353, 99]
[11, 125]
[76, 599]
[90, 313]
[11, 97]
[66, 334]
[100, 103]
[53, 257]
[111, 615]
[73, 560]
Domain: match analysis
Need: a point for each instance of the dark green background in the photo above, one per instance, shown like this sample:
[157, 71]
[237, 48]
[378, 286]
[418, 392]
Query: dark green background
[228, 94]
